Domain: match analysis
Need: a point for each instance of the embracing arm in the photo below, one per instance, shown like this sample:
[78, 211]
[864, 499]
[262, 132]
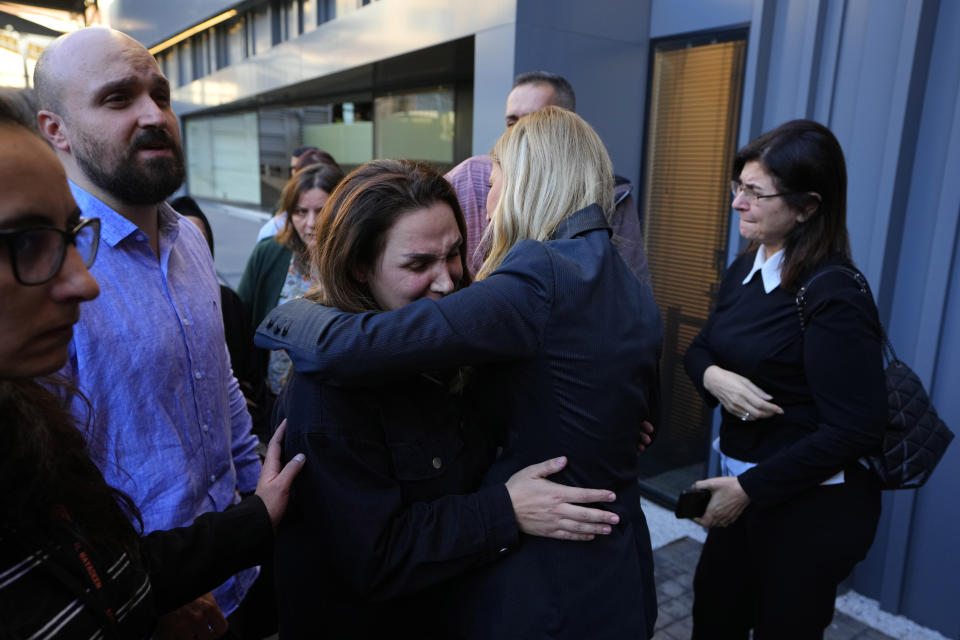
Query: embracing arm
[384, 545]
[738, 395]
[380, 545]
[186, 562]
[498, 319]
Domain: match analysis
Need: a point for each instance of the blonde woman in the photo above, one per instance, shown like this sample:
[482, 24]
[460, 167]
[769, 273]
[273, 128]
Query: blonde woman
[565, 341]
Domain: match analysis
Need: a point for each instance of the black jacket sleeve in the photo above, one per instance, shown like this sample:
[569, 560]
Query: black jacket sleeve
[498, 319]
[187, 562]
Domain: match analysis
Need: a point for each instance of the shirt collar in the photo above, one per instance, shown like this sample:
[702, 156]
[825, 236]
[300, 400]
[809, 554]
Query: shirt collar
[769, 269]
[587, 219]
[114, 227]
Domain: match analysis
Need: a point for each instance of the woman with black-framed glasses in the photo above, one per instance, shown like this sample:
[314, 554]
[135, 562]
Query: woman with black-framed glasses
[37, 252]
[72, 564]
[793, 510]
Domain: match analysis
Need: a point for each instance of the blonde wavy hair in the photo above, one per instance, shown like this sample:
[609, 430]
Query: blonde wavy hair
[552, 164]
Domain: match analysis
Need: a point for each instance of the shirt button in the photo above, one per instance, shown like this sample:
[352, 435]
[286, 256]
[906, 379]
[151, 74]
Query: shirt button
[141, 237]
[198, 374]
[437, 462]
[205, 427]
[504, 550]
[213, 478]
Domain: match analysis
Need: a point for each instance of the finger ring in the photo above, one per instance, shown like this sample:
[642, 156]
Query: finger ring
[745, 416]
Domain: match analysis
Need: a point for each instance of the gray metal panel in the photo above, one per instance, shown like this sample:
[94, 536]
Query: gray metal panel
[674, 17]
[794, 57]
[925, 325]
[492, 79]
[759, 43]
[605, 62]
[884, 77]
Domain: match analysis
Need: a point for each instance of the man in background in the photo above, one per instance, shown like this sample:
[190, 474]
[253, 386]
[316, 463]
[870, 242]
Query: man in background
[531, 92]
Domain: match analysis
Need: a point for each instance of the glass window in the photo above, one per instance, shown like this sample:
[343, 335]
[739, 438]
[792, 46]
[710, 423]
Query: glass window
[211, 53]
[260, 34]
[199, 53]
[223, 157]
[162, 62]
[418, 126]
[171, 67]
[347, 135]
[235, 41]
[185, 62]
[310, 21]
[291, 15]
[326, 10]
[345, 131]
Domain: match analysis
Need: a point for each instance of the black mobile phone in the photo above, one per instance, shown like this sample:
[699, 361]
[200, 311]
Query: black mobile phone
[692, 503]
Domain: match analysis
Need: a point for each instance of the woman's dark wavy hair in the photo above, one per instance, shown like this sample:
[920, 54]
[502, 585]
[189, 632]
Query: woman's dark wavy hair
[804, 157]
[352, 229]
[47, 471]
[314, 176]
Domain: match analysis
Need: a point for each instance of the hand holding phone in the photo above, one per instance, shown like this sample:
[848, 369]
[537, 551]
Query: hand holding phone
[692, 503]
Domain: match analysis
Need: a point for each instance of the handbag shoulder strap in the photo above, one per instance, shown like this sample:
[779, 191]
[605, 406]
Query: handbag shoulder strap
[888, 353]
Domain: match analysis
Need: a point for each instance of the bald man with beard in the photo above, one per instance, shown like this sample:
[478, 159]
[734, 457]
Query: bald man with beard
[149, 353]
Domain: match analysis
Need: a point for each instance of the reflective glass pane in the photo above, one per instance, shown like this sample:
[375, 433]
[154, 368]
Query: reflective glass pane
[223, 157]
[417, 126]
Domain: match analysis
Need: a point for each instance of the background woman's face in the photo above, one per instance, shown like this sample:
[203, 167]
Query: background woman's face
[36, 322]
[305, 215]
[421, 258]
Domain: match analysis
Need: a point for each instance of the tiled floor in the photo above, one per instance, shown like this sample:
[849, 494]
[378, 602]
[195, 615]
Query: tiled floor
[674, 565]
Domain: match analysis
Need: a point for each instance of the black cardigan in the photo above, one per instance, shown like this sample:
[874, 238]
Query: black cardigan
[828, 380]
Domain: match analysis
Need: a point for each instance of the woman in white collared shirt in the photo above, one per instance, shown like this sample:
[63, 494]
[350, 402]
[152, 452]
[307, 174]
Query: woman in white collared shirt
[794, 510]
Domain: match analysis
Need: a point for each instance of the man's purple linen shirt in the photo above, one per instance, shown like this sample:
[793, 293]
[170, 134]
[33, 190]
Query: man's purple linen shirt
[172, 428]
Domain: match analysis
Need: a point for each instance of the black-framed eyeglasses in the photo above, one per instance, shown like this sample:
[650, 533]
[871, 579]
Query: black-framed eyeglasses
[37, 253]
[737, 187]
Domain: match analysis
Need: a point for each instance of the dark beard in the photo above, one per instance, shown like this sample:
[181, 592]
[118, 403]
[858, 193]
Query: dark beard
[126, 178]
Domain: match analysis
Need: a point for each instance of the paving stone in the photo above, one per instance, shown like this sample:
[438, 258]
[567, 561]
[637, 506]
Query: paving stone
[681, 628]
[672, 588]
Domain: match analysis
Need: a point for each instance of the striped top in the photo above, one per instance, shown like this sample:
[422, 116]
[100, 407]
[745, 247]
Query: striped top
[53, 585]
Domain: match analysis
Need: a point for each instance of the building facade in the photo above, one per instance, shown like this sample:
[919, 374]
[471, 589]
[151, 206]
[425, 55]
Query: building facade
[673, 87]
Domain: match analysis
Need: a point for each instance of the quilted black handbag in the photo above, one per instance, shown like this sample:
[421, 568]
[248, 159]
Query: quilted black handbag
[915, 438]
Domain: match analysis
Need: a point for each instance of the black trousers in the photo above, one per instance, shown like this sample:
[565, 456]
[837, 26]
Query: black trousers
[776, 569]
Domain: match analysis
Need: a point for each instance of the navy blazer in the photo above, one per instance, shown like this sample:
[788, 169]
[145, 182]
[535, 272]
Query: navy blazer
[566, 341]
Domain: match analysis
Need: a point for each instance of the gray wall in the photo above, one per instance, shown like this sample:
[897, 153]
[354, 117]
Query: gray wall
[601, 47]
